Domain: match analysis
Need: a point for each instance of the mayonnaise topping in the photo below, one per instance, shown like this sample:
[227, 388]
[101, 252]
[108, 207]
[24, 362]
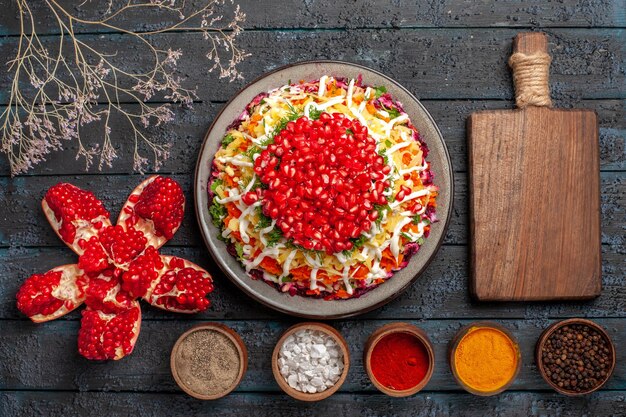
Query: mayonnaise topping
[322, 86]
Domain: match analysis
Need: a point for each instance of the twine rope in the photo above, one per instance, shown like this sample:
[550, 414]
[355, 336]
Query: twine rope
[530, 75]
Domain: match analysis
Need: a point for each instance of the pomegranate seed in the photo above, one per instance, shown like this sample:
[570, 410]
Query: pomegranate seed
[319, 181]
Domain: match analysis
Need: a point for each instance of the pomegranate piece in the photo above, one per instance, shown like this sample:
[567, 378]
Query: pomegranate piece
[142, 273]
[323, 179]
[105, 293]
[105, 336]
[181, 287]
[74, 214]
[122, 245]
[155, 207]
[115, 267]
[94, 258]
[48, 296]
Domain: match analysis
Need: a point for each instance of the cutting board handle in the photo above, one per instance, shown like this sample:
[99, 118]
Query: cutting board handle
[530, 64]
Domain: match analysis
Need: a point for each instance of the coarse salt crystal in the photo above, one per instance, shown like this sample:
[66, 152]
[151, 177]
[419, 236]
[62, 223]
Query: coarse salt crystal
[310, 361]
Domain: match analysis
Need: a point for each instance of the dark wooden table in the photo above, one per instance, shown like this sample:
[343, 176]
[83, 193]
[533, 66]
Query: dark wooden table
[451, 54]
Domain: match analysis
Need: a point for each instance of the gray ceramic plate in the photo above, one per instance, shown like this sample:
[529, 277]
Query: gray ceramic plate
[304, 306]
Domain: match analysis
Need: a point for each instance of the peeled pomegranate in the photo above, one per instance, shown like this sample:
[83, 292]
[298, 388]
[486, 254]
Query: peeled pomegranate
[75, 214]
[109, 335]
[156, 208]
[116, 266]
[48, 296]
[180, 287]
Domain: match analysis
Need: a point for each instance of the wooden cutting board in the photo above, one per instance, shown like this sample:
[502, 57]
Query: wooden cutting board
[534, 192]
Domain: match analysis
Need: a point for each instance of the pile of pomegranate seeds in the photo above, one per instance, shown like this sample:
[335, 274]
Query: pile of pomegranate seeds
[323, 179]
[117, 264]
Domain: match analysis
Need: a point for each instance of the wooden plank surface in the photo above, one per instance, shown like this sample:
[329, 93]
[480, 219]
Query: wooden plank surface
[187, 134]
[441, 293]
[432, 63]
[322, 14]
[21, 197]
[452, 55]
[426, 404]
[147, 369]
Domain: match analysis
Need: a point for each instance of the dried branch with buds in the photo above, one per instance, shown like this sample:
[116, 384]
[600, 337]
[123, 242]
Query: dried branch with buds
[59, 88]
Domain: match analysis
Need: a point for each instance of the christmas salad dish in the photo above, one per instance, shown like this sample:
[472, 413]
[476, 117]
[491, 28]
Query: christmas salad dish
[323, 188]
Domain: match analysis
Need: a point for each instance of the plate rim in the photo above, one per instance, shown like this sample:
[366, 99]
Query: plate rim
[289, 312]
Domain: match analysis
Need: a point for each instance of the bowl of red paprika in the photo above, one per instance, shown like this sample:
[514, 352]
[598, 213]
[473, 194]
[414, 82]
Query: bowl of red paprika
[399, 359]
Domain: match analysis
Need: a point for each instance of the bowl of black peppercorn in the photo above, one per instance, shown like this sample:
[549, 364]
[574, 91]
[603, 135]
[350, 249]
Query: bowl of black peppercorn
[575, 356]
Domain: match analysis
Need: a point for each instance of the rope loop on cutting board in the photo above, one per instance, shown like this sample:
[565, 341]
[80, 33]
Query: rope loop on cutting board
[530, 75]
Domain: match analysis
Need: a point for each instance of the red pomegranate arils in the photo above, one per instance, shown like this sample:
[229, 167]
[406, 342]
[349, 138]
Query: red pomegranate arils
[116, 266]
[337, 175]
[105, 336]
[74, 213]
[122, 246]
[94, 258]
[155, 207]
[142, 273]
[105, 293]
[48, 296]
[182, 287]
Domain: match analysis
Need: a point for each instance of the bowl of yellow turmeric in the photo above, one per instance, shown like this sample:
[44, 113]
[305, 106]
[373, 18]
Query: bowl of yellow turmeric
[484, 358]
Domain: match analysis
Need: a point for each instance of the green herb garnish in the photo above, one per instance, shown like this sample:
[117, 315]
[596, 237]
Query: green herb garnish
[246, 181]
[218, 212]
[239, 250]
[381, 209]
[263, 221]
[349, 132]
[379, 91]
[216, 184]
[228, 139]
[294, 114]
[274, 237]
[251, 151]
[314, 113]
[393, 113]
[385, 157]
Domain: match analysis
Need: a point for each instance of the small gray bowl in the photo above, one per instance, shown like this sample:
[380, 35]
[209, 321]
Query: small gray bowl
[314, 308]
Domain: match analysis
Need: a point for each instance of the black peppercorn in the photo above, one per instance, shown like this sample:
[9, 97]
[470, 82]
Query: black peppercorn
[575, 358]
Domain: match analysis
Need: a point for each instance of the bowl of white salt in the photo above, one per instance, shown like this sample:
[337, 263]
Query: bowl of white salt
[310, 361]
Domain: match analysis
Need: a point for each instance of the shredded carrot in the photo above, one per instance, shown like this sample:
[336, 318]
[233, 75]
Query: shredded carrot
[229, 181]
[358, 272]
[271, 266]
[233, 210]
[388, 262]
[341, 293]
[301, 273]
